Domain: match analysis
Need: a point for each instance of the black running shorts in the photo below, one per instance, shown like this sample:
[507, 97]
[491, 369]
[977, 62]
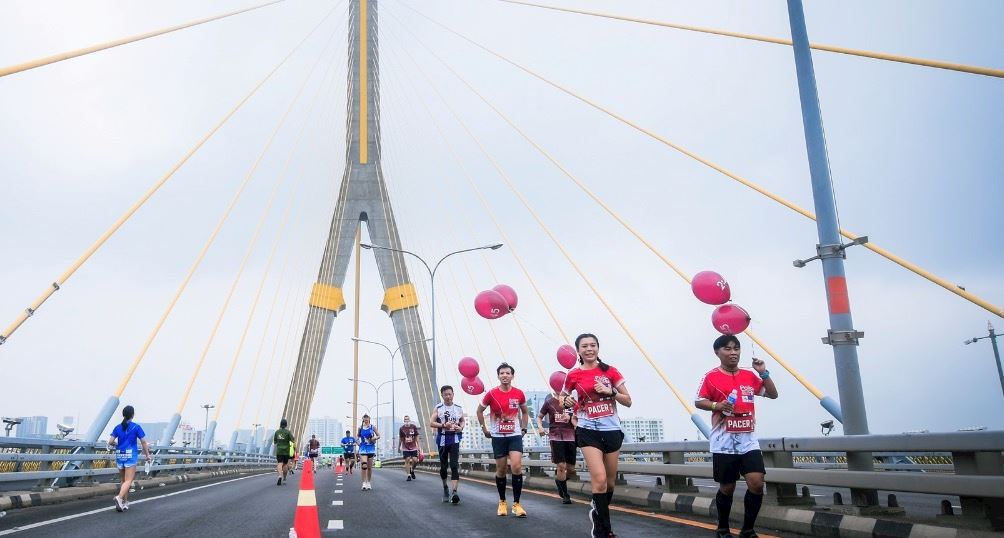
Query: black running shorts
[410, 453]
[606, 441]
[728, 468]
[282, 458]
[502, 446]
[563, 452]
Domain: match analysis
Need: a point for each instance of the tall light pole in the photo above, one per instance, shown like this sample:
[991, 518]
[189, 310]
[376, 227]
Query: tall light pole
[254, 436]
[432, 287]
[997, 355]
[377, 389]
[207, 407]
[393, 393]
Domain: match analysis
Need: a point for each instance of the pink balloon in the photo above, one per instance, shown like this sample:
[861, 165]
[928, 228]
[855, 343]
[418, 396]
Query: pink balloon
[567, 356]
[557, 380]
[711, 288]
[468, 367]
[509, 294]
[730, 319]
[472, 385]
[490, 304]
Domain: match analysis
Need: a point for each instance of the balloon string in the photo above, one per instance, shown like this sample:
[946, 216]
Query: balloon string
[538, 329]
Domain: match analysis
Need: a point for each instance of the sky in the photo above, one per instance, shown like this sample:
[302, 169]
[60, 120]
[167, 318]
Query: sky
[914, 154]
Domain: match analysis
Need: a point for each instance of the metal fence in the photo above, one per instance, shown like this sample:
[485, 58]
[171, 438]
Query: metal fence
[969, 465]
[50, 462]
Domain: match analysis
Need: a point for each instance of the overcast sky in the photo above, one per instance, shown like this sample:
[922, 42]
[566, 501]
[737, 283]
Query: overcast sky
[914, 152]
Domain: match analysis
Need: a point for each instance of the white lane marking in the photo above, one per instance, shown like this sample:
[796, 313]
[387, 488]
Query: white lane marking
[337, 503]
[338, 491]
[99, 510]
[335, 524]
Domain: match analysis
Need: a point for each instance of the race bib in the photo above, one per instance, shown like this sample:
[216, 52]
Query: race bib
[123, 456]
[507, 426]
[561, 417]
[740, 423]
[600, 409]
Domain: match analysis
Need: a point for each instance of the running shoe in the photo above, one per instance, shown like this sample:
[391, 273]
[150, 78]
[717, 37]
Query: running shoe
[118, 504]
[125, 505]
[750, 533]
[503, 509]
[723, 533]
[446, 494]
[456, 498]
[567, 499]
[413, 477]
[598, 531]
[517, 510]
[409, 479]
[279, 481]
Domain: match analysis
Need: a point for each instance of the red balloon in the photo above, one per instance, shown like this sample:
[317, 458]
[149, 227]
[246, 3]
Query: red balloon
[730, 319]
[557, 380]
[509, 294]
[711, 288]
[468, 367]
[567, 356]
[472, 385]
[490, 304]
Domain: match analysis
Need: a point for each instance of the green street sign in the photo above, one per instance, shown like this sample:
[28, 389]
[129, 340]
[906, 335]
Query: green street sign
[333, 450]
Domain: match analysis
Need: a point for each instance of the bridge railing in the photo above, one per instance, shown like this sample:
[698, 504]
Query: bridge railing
[969, 465]
[45, 461]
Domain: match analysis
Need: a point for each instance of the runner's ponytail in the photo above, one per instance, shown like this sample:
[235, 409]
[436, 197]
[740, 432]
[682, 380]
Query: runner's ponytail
[127, 413]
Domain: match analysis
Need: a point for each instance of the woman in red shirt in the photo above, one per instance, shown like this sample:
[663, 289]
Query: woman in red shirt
[599, 388]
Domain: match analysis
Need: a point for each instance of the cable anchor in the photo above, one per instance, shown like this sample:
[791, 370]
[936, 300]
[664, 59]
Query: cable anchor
[831, 251]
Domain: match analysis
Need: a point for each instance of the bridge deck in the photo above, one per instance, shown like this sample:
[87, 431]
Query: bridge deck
[255, 506]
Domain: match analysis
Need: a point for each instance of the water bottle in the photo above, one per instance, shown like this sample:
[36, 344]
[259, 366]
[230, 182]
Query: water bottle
[147, 467]
[733, 396]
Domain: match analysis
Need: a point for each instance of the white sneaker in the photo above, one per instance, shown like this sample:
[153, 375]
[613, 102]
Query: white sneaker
[118, 504]
[125, 505]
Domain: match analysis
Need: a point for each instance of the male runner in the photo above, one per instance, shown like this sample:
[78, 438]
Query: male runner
[407, 443]
[448, 419]
[561, 433]
[508, 405]
[282, 439]
[349, 445]
[735, 449]
[313, 450]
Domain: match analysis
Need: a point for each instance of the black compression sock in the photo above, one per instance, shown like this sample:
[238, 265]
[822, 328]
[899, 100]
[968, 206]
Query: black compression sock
[602, 508]
[610, 495]
[517, 486]
[562, 487]
[500, 484]
[724, 504]
[752, 503]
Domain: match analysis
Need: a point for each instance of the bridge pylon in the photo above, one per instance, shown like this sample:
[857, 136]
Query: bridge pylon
[363, 197]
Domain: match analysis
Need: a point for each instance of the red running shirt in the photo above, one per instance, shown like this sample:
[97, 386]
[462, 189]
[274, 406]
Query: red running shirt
[717, 385]
[596, 411]
[505, 409]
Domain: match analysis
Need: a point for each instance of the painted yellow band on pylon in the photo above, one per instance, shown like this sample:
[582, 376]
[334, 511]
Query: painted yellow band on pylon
[327, 297]
[399, 297]
[363, 82]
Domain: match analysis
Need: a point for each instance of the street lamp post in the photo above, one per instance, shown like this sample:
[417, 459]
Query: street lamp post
[207, 407]
[997, 355]
[253, 442]
[432, 287]
[393, 393]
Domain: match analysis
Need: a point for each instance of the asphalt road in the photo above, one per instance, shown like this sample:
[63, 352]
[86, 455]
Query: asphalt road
[255, 506]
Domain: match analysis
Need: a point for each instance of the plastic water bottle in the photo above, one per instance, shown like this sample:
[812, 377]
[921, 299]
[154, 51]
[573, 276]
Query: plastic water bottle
[147, 467]
[733, 396]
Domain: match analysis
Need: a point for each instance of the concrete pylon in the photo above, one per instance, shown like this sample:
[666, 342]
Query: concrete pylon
[363, 197]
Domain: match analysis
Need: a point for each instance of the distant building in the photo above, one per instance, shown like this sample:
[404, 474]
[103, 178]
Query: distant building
[153, 430]
[328, 430]
[639, 430]
[188, 434]
[32, 426]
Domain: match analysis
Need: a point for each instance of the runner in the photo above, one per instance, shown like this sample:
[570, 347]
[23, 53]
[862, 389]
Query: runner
[735, 450]
[313, 450]
[561, 433]
[283, 439]
[599, 387]
[407, 443]
[292, 458]
[368, 436]
[448, 419]
[349, 445]
[508, 405]
[123, 438]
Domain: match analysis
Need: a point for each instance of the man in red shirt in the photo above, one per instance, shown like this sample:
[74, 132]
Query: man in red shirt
[561, 434]
[510, 417]
[407, 443]
[735, 450]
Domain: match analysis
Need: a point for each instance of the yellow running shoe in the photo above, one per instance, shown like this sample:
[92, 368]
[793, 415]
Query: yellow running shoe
[503, 509]
[517, 510]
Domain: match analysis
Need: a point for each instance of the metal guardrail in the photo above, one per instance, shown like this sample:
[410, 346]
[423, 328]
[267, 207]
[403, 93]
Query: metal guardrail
[970, 466]
[44, 460]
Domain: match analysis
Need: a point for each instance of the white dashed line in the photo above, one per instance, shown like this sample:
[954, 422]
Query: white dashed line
[335, 524]
[337, 503]
[338, 491]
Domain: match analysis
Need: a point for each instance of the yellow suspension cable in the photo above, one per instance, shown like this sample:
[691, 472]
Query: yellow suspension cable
[616, 216]
[275, 243]
[290, 293]
[39, 62]
[502, 174]
[954, 288]
[61, 280]
[938, 64]
[261, 345]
